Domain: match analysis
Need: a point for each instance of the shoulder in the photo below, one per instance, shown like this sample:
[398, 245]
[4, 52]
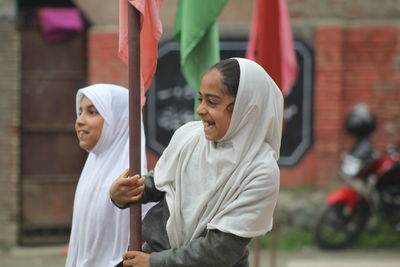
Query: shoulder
[265, 166]
[187, 130]
[182, 136]
[191, 125]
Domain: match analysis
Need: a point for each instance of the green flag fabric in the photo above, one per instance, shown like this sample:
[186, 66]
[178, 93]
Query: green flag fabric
[196, 32]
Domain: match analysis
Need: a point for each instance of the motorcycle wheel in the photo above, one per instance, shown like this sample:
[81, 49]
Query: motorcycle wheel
[339, 227]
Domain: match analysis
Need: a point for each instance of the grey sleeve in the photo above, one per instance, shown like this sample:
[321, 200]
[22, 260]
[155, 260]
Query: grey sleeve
[215, 249]
[151, 194]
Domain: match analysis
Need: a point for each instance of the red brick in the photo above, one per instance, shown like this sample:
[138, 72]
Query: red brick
[354, 64]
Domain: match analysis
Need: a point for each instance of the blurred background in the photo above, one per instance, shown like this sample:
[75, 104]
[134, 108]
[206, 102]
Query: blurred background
[348, 52]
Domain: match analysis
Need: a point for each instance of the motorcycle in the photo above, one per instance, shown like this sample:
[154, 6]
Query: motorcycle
[373, 186]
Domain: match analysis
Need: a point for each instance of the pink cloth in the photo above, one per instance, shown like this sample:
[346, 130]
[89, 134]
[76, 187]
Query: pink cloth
[271, 42]
[150, 34]
[58, 24]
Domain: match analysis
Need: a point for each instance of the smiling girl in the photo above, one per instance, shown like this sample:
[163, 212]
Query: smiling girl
[100, 231]
[217, 182]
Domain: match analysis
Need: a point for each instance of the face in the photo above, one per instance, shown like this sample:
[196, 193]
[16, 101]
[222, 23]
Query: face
[88, 125]
[215, 105]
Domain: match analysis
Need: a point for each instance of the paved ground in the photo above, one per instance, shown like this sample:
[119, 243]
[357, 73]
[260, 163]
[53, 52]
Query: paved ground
[317, 258]
[33, 256]
[54, 257]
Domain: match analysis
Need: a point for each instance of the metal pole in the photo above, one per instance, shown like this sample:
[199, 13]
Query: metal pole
[134, 120]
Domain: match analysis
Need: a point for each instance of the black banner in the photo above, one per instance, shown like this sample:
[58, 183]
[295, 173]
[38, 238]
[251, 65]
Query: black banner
[170, 101]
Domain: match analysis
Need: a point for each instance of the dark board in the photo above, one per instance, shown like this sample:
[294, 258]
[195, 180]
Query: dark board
[170, 101]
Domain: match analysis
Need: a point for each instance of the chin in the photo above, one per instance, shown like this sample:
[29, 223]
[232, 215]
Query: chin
[208, 137]
[84, 146]
[211, 138]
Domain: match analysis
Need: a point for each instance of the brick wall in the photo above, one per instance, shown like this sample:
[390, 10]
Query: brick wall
[104, 65]
[353, 64]
[357, 58]
[372, 75]
[9, 134]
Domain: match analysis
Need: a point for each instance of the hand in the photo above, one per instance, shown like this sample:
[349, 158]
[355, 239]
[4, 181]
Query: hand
[136, 259]
[127, 189]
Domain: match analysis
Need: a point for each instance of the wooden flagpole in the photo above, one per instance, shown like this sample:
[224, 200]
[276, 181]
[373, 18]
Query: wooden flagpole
[134, 120]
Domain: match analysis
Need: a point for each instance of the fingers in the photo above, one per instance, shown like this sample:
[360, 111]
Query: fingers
[135, 180]
[136, 193]
[135, 189]
[127, 263]
[125, 174]
[126, 257]
[136, 198]
[127, 189]
[129, 255]
[136, 258]
[129, 258]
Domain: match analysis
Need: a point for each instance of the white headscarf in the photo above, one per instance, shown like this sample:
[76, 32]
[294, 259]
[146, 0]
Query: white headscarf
[100, 231]
[230, 185]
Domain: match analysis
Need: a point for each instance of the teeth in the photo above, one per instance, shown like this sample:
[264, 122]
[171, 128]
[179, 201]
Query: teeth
[207, 124]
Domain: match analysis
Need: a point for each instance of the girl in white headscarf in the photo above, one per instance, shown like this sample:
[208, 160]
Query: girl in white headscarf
[218, 179]
[100, 231]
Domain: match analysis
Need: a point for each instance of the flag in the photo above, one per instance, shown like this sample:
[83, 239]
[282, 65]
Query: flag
[196, 32]
[271, 42]
[150, 34]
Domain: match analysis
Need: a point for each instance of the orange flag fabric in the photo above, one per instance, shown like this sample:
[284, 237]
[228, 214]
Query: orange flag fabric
[150, 34]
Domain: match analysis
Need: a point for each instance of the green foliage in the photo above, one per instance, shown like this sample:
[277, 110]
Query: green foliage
[289, 240]
[302, 189]
[5, 246]
[381, 236]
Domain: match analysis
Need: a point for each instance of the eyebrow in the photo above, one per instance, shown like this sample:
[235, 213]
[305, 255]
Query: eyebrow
[209, 95]
[89, 106]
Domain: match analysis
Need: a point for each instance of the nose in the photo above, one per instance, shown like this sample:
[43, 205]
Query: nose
[200, 109]
[80, 120]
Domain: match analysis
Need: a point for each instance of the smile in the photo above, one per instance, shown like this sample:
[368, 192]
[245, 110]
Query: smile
[81, 132]
[208, 125]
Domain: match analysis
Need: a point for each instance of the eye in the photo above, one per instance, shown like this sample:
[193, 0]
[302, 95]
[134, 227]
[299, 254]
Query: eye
[200, 99]
[210, 102]
[93, 111]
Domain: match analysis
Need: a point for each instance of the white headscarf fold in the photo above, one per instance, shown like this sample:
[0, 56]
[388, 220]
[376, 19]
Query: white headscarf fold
[100, 231]
[230, 185]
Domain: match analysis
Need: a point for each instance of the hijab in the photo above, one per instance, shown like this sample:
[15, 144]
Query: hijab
[100, 230]
[230, 185]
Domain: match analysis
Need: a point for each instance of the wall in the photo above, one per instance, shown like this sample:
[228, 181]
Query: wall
[356, 46]
[9, 123]
[356, 50]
